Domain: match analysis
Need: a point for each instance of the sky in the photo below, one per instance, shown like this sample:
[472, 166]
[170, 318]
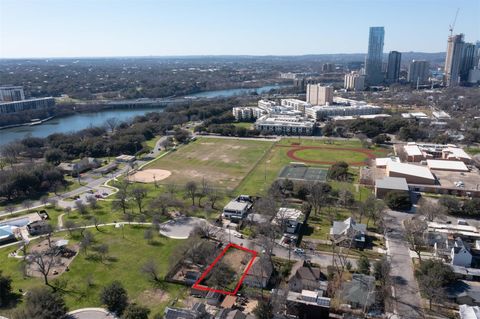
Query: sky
[91, 28]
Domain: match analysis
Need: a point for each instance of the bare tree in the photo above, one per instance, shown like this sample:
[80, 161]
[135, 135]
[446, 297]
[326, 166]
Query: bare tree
[69, 225]
[414, 235]
[92, 201]
[206, 230]
[27, 204]
[44, 261]
[121, 197]
[430, 209]
[102, 250]
[204, 189]
[87, 241]
[95, 221]
[44, 200]
[11, 152]
[80, 206]
[148, 235]
[318, 196]
[111, 123]
[345, 198]
[191, 191]
[138, 195]
[213, 196]
[150, 268]
[171, 188]
[10, 209]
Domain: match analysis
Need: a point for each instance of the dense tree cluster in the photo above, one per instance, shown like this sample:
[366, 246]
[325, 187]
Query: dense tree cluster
[454, 206]
[36, 179]
[398, 200]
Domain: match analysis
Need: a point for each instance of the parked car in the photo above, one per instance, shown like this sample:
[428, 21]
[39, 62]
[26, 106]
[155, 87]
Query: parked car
[299, 251]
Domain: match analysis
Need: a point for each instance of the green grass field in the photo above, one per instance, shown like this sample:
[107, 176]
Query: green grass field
[267, 170]
[246, 125]
[331, 155]
[222, 162]
[123, 265]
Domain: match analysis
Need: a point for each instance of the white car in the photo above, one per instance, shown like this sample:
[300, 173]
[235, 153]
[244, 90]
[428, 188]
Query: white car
[299, 251]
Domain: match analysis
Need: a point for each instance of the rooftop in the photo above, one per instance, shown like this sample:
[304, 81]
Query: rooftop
[412, 150]
[469, 312]
[395, 183]
[447, 165]
[236, 205]
[409, 169]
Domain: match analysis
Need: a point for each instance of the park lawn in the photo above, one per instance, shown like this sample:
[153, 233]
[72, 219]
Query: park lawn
[126, 256]
[104, 214]
[222, 162]
[472, 150]
[247, 125]
[151, 143]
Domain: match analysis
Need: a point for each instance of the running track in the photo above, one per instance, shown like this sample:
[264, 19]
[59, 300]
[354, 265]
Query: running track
[295, 148]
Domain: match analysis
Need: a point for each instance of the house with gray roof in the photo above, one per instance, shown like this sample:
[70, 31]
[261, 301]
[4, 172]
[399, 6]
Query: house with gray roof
[345, 231]
[308, 278]
[198, 311]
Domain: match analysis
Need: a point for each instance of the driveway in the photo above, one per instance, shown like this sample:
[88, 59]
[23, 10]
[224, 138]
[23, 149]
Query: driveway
[180, 228]
[91, 313]
[407, 296]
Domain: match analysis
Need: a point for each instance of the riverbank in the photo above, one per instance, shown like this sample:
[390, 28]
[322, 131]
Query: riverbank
[28, 123]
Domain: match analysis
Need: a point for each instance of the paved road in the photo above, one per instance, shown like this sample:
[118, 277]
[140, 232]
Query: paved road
[407, 296]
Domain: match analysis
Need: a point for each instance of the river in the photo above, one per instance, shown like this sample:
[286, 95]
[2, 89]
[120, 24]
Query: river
[80, 121]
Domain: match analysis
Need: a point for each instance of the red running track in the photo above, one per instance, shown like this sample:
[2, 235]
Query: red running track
[291, 154]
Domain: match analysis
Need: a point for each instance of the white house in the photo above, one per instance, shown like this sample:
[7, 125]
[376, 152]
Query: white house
[289, 218]
[460, 255]
[237, 208]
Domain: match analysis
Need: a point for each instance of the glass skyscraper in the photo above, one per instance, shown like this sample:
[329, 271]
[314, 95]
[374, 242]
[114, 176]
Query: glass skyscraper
[373, 62]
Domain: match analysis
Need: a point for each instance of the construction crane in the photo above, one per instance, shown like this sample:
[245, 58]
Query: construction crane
[452, 26]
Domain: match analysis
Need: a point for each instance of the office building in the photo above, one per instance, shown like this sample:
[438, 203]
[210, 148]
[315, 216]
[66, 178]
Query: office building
[328, 67]
[418, 72]
[453, 59]
[11, 93]
[319, 95]
[393, 66]
[27, 105]
[373, 62]
[468, 60]
[319, 113]
[354, 81]
[247, 113]
[474, 76]
[285, 125]
[295, 104]
[477, 54]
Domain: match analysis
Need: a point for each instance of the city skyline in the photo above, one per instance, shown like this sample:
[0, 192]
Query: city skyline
[53, 28]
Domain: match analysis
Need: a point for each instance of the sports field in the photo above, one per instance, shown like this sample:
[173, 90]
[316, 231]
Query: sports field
[313, 152]
[222, 162]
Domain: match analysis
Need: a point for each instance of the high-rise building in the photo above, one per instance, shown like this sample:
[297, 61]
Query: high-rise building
[477, 54]
[393, 66]
[468, 60]
[373, 61]
[11, 93]
[354, 81]
[328, 67]
[319, 95]
[453, 60]
[418, 72]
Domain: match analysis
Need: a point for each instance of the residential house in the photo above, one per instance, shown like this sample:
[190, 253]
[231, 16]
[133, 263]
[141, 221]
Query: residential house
[213, 298]
[359, 292]
[308, 304]
[81, 166]
[308, 278]
[38, 227]
[198, 311]
[259, 273]
[232, 314]
[348, 230]
[460, 255]
[191, 277]
[289, 219]
[237, 208]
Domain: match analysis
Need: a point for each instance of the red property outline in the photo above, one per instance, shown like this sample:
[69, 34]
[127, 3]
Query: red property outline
[197, 285]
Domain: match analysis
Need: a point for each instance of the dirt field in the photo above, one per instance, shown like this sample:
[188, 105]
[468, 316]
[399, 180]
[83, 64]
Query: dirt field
[222, 162]
[149, 175]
